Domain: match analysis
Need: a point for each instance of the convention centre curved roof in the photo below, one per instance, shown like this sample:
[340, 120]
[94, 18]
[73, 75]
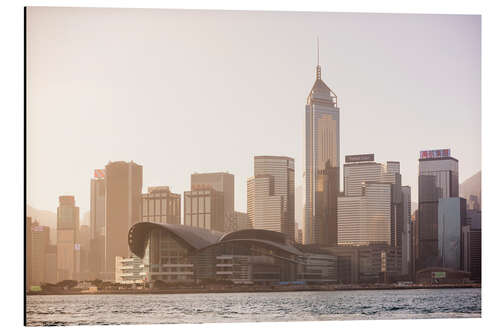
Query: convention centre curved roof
[198, 239]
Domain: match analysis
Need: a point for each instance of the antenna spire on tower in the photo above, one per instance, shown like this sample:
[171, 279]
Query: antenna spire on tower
[317, 45]
[318, 68]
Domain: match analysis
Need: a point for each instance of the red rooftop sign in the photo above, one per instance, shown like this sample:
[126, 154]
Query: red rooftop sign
[435, 153]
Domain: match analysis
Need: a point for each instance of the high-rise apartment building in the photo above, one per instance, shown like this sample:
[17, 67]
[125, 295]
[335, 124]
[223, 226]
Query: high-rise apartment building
[322, 151]
[123, 209]
[160, 205]
[204, 208]
[68, 225]
[271, 195]
[437, 179]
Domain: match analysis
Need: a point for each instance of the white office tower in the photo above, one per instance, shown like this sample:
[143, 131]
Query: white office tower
[368, 211]
[366, 219]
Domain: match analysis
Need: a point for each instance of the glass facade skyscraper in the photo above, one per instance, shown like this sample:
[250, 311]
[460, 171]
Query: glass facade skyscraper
[438, 179]
[322, 147]
[451, 220]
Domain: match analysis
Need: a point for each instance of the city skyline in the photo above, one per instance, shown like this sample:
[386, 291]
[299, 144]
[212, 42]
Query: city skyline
[97, 130]
[234, 152]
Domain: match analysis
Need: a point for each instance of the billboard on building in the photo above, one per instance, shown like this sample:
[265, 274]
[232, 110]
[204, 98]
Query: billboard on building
[438, 153]
[360, 158]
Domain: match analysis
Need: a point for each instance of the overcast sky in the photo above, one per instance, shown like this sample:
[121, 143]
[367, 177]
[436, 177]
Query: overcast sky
[203, 91]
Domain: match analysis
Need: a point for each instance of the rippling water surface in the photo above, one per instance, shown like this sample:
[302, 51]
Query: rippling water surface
[252, 307]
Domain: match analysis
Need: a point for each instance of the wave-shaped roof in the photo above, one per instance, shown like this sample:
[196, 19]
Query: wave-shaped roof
[198, 238]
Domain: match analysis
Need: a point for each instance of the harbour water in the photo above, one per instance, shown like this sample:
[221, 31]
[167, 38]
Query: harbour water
[252, 307]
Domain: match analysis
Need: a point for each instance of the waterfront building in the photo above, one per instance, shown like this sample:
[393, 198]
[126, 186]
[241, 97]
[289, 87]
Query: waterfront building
[51, 264]
[28, 253]
[84, 241]
[123, 209]
[161, 205]
[407, 238]
[451, 220]
[366, 219]
[271, 194]
[129, 270]
[360, 170]
[40, 242]
[471, 252]
[248, 256]
[68, 225]
[204, 208]
[372, 263]
[370, 209]
[438, 179]
[322, 151]
[96, 255]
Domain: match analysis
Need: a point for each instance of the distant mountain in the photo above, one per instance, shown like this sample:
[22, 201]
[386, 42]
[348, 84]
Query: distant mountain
[472, 186]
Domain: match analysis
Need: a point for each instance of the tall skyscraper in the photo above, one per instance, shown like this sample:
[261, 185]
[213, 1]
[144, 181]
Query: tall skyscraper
[96, 260]
[322, 149]
[406, 240]
[123, 209]
[271, 194]
[451, 221]
[68, 225]
[160, 205]
[437, 179]
[84, 241]
[97, 204]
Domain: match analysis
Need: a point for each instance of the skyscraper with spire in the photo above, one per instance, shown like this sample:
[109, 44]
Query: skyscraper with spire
[321, 171]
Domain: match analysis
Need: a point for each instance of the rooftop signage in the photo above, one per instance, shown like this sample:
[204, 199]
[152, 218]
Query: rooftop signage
[360, 158]
[424, 154]
[99, 173]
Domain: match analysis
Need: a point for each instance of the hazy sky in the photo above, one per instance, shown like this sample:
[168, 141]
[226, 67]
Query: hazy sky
[202, 91]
